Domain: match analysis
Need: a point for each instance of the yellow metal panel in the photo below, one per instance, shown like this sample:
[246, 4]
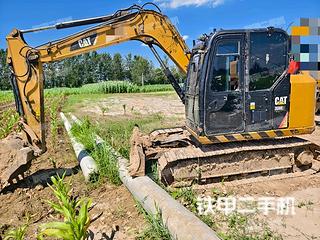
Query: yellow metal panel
[271, 134]
[302, 101]
[148, 27]
[29, 80]
[222, 138]
[300, 31]
[255, 135]
[239, 137]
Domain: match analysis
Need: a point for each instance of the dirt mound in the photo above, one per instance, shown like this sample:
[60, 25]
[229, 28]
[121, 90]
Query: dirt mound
[15, 158]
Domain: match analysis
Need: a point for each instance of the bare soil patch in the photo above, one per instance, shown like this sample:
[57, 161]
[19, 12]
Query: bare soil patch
[143, 104]
[118, 216]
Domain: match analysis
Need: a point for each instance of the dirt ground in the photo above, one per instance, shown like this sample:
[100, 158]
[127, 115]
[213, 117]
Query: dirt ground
[119, 214]
[114, 207]
[303, 218]
[143, 104]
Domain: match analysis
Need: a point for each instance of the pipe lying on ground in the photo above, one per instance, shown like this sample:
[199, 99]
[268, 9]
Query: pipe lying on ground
[86, 162]
[182, 224]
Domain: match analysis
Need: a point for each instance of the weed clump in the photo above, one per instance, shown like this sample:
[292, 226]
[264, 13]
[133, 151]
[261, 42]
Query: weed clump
[16, 233]
[54, 103]
[156, 228]
[102, 152]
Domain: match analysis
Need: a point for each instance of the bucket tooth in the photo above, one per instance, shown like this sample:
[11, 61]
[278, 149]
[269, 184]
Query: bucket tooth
[316, 165]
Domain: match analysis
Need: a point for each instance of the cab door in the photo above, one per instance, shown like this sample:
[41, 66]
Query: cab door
[268, 59]
[224, 91]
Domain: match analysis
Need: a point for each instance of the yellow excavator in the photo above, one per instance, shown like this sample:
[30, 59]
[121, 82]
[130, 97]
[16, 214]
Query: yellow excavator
[244, 108]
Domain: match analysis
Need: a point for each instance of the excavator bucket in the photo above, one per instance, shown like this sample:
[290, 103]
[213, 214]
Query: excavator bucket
[15, 158]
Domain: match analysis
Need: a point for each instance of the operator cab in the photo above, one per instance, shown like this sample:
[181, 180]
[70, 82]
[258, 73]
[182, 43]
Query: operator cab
[234, 78]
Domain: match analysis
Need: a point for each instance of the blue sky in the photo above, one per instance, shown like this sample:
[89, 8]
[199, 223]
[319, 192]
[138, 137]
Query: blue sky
[192, 17]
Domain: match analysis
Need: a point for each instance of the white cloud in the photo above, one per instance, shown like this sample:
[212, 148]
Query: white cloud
[187, 3]
[143, 45]
[274, 22]
[185, 37]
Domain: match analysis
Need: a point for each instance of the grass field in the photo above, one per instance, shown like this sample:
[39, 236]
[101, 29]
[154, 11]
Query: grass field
[96, 88]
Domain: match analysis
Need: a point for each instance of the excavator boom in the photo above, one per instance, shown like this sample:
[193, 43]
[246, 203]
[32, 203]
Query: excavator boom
[26, 63]
[134, 23]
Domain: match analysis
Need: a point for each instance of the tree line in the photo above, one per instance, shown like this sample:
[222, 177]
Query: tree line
[93, 67]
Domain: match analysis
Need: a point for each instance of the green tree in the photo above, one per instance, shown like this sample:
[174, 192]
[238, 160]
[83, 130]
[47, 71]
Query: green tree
[178, 74]
[4, 71]
[93, 67]
[128, 62]
[117, 67]
[141, 70]
[105, 67]
[158, 76]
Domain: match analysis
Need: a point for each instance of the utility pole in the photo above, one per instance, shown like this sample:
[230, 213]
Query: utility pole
[142, 79]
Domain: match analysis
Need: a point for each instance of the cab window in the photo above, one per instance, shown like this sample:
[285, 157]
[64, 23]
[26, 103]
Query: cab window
[226, 66]
[268, 58]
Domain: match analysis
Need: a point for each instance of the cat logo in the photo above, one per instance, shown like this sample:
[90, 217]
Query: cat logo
[84, 42]
[280, 101]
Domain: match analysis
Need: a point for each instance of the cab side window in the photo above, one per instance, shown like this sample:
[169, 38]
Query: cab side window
[226, 66]
[268, 58]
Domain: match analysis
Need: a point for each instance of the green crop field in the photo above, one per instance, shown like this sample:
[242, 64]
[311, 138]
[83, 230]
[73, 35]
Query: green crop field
[97, 88]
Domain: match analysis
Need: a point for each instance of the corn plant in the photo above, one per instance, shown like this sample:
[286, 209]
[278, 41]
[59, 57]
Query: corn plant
[74, 211]
[16, 233]
[54, 103]
[8, 120]
[106, 87]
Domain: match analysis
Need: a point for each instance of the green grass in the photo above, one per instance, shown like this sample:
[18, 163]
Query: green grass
[186, 196]
[6, 96]
[102, 153]
[247, 227]
[54, 104]
[16, 233]
[117, 131]
[234, 226]
[156, 229]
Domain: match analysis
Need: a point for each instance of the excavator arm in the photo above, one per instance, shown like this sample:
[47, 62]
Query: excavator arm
[134, 23]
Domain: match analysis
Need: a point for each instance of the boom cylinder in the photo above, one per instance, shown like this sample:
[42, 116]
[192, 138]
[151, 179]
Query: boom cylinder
[76, 23]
